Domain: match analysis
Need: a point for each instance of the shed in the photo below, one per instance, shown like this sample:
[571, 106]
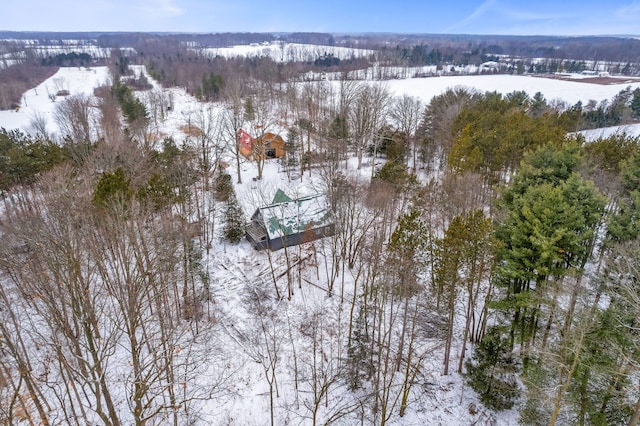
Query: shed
[289, 222]
[273, 145]
[244, 143]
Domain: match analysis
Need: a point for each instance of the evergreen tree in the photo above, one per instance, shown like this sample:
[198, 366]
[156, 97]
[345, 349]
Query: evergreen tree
[598, 394]
[624, 225]
[249, 110]
[235, 222]
[292, 148]
[448, 268]
[607, 154]
[339, 128]
[635, 103]
[538, 105]
[493, 133]
[223, 188]
[157, 193]
[23, 158]
[358, 354]
[548, 232]
[492, 371]
[113, 189]
[212, 85]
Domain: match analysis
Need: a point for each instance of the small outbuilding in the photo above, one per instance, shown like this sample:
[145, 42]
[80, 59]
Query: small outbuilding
[273, 145]
[270, 145]
[245, 142]
[289, 222]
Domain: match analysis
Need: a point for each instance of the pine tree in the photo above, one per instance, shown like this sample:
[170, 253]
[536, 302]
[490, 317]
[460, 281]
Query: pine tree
[635, 103]
[235, 223]
[249, 110]
[492, 371]
[292, 151]
[548, 233]
[113, 188]
[358, 354]
[625, 224]
[223, 189]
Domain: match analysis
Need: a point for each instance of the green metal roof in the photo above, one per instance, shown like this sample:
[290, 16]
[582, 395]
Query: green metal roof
[281, 197]
[295, 215]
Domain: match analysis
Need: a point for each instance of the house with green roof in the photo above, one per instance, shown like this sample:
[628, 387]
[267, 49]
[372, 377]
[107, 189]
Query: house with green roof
[288, 222]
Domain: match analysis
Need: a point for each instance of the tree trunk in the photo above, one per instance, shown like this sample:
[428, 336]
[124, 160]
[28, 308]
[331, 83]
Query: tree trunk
[563, 388]
[633, 421]
[447, 350]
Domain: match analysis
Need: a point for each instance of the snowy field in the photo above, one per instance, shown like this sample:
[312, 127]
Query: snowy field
[56, 47]
[84, 80]
[568, 92]
[285, 52]
[42, 99]
[605, 132]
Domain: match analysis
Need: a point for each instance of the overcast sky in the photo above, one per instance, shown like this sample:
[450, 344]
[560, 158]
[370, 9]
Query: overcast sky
[532, 17]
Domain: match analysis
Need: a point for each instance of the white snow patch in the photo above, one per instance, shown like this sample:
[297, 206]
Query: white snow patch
[39, 99]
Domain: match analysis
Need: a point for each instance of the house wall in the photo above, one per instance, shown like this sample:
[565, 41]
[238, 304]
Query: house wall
[258, 245]
[301, 237]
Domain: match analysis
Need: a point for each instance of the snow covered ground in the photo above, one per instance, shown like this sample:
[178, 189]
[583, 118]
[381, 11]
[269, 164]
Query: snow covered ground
[285, 52]
[569, 92]
[57, 47]
[605, 132]
[42, 99]
[237, 269]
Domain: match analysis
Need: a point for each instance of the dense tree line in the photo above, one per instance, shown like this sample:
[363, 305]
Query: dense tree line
[72, 59]
[132, 108]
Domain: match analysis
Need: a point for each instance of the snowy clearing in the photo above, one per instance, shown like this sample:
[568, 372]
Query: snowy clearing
[632, 130]
[42, 99]
[568, 92]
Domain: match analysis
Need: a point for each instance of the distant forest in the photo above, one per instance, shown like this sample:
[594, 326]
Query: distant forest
[592, 48]
[27, 58]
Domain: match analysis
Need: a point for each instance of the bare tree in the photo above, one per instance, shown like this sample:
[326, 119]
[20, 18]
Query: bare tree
[58, 271]
[207, 129]
[406, 114]
[77, 119]
[233, 120]
[101, 283]
[158, 103]
[38, 126]
[325, 392]
[263, 342]
[16, 367]
[139, 269]
[367, 115]
[110, 118]
[313, 101]
[263, 121]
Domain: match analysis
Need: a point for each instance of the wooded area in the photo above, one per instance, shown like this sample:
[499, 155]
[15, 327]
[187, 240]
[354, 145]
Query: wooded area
[486, 239]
